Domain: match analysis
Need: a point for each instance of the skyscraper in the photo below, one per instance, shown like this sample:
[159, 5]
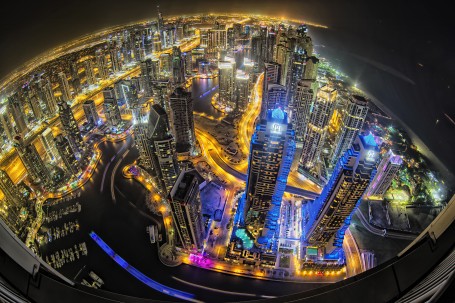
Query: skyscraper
[329, 215]
[47, 140]
[271, 76]
[353, 118]
[387, 170]
[13, 201]
[226, 72]
[242, 88]
[89, 73]
[64, 87]
[140, 126]
[47, 96]
[67, 154]
[90, 112]
[317, 126]
[70, 126]
[185, 202]
[164, 157]
[10, 191]
[149, 72]
[216, 40]
[115, 62]
[34, 165]
[311, 68]
[16, 110]
[111, 109]
[271, 154]
[101, 62]
[74, 73]
[276, 97]
[182, 117]
[6, 123]
[178, 66]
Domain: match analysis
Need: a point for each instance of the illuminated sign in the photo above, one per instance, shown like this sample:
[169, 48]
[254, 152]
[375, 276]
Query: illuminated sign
[371, 155]
[276, 128]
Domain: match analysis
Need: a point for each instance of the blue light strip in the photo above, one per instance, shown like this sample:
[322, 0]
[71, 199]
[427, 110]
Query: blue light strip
[140, 276]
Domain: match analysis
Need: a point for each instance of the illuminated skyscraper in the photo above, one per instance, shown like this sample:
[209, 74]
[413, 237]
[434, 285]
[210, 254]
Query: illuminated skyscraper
[16, 110]
[101, 62]
[11, 192]
[67, 154]
[90, 113]
[353, 118]
[329, 215]
[89, 73]
[301, 105]
[271, 76]
[226, 72]
[182, 118]
[115, 61]
[111, 109]
[178, 66]
[10, 206]
[74, 73]
[6, 123]
[140, 126]
[185, 202]
[271, 154]
[64, 87]
[317, 126]
[157, 44]
[311, 68]
[70, 126]
[47, 140]
[149, 72]
[34, 165]
[162, 143]
[387, 170]
[161, 91]
[276, 97]
[31, 97]
[216, 40]
[242, 88]
[44, 87]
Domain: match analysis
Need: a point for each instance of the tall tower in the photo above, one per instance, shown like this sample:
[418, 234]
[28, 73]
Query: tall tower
[64, 87]
[115, 62]
[271, 76]
[89, 73]
[15, 108]
[353, 118]
[164, 157]
[276, 97]
[387, 170]
[149, 72]
[271, 154]
[317, 126]
[242, 86]
[67, 154]
[182, 117]
[185, 202]
[6, 123]
[10, 206]
[160, 25]
[74, 73]
[34, 165]
[47, 95]
[226, 72]
[140, 126]
[90, 112]
[301, 105]
[111, 109]
[47, 140]
[178, 66]
[10, 191]
[329, 215]
[101, 62]
[70, 126]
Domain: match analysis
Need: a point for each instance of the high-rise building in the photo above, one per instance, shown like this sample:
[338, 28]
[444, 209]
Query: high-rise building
[328, 217]
[185, 202]
[6, 123]
[67, 154]
[271, 76]
[74, 73]
[149, 72]
[89, 73]
[16, 110]
[216, 40]
[165, 64]
[182, 118]
[311, 68]
[140, 126]
[301, 105]
[271, 154]
[90, 113]
[317, 126]
[188, 61]
[353, 118]
[157, 44]
[33, 102]
[161, 91]
[115, 61]
[101, 62]
[64, 86]
[47, 96]
[10, 206]
[36, 169]
[242, 89]
[111, 109]
[164, 157]
[226, 72]
[387, 170]
[178, 66]
[70, 126]
[276, 97]
[47, 140]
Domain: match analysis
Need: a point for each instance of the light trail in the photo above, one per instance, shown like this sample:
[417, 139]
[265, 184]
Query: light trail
[140, 276]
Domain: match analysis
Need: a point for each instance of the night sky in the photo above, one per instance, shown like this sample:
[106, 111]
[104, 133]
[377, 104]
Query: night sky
[393, 36]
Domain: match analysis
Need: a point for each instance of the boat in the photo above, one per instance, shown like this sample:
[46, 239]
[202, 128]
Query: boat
[151, 232]
[96, 278]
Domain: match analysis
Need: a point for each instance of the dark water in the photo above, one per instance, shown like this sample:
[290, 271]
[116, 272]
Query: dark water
[202, 92]
[411, 85]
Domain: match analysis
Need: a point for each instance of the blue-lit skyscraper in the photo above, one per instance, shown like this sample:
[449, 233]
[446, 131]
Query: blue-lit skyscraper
[272, 152]
[328, 217]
